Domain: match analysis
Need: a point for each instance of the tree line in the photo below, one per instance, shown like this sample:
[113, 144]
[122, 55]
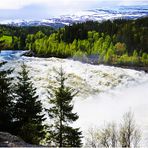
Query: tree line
[22, 114]
[118, 42]
[108, 50]
[18, 35]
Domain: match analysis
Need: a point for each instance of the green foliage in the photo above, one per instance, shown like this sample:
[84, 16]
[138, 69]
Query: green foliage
[125, 59]
[31, 132]
[108, 58]
[109, 50]
[6, 100]
[144, 59]
[28, 109]
[39, 35]
[111, 40]
[107, 39]
[1, 45]
[62, 134]
[130, 32]
[16, 37]
[7, 41]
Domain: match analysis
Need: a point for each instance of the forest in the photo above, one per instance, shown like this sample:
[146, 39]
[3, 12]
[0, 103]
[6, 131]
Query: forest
[117, 42]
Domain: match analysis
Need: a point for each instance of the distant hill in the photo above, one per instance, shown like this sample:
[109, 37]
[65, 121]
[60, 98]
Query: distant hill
[126, 12]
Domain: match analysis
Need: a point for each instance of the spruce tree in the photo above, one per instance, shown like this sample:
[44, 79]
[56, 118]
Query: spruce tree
[6, 99]
[28, 109]
[61, 133]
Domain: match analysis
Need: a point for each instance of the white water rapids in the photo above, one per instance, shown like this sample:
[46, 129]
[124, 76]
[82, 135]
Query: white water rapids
[105, 92]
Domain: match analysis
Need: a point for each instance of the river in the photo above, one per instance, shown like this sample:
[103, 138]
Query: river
[105, 92]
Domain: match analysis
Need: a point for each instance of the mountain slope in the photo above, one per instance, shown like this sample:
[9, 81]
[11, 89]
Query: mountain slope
[99, 14]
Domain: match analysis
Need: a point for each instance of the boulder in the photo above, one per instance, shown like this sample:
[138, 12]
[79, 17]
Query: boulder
[9, 140]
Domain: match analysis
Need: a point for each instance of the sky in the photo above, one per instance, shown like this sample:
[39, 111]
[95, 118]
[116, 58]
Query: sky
[29, 9]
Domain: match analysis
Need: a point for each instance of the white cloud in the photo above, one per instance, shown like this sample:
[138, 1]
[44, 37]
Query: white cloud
[54, 4]
[16, 4]
[131, 2]
[58, 4]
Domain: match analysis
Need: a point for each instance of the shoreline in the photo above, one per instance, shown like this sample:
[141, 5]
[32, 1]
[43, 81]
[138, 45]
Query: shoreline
[133, 67]
[138, 68]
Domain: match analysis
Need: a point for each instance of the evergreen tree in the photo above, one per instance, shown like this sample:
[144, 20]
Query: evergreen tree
[28, 109]
[6, 99]
[63, 134]
[1, 45]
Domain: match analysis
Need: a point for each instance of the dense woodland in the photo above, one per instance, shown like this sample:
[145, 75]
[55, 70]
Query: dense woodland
[14, 37]
[121, 42]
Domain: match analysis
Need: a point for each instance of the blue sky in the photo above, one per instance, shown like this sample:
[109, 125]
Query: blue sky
[38, 9]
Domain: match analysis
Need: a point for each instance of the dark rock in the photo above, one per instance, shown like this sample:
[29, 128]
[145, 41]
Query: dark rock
[8, 140]
[29, 53]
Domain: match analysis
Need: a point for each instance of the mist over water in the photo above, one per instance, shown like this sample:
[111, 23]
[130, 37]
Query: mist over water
[109, 106]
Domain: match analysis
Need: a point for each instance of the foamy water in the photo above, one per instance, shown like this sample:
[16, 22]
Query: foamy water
[105, 93]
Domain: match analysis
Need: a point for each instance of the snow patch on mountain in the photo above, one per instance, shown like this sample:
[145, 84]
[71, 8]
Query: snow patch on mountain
[98, 14]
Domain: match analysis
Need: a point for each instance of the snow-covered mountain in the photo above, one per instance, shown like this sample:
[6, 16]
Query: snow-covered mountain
[99, 14]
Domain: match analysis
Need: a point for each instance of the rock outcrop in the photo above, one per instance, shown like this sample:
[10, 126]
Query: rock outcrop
[8, 140]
